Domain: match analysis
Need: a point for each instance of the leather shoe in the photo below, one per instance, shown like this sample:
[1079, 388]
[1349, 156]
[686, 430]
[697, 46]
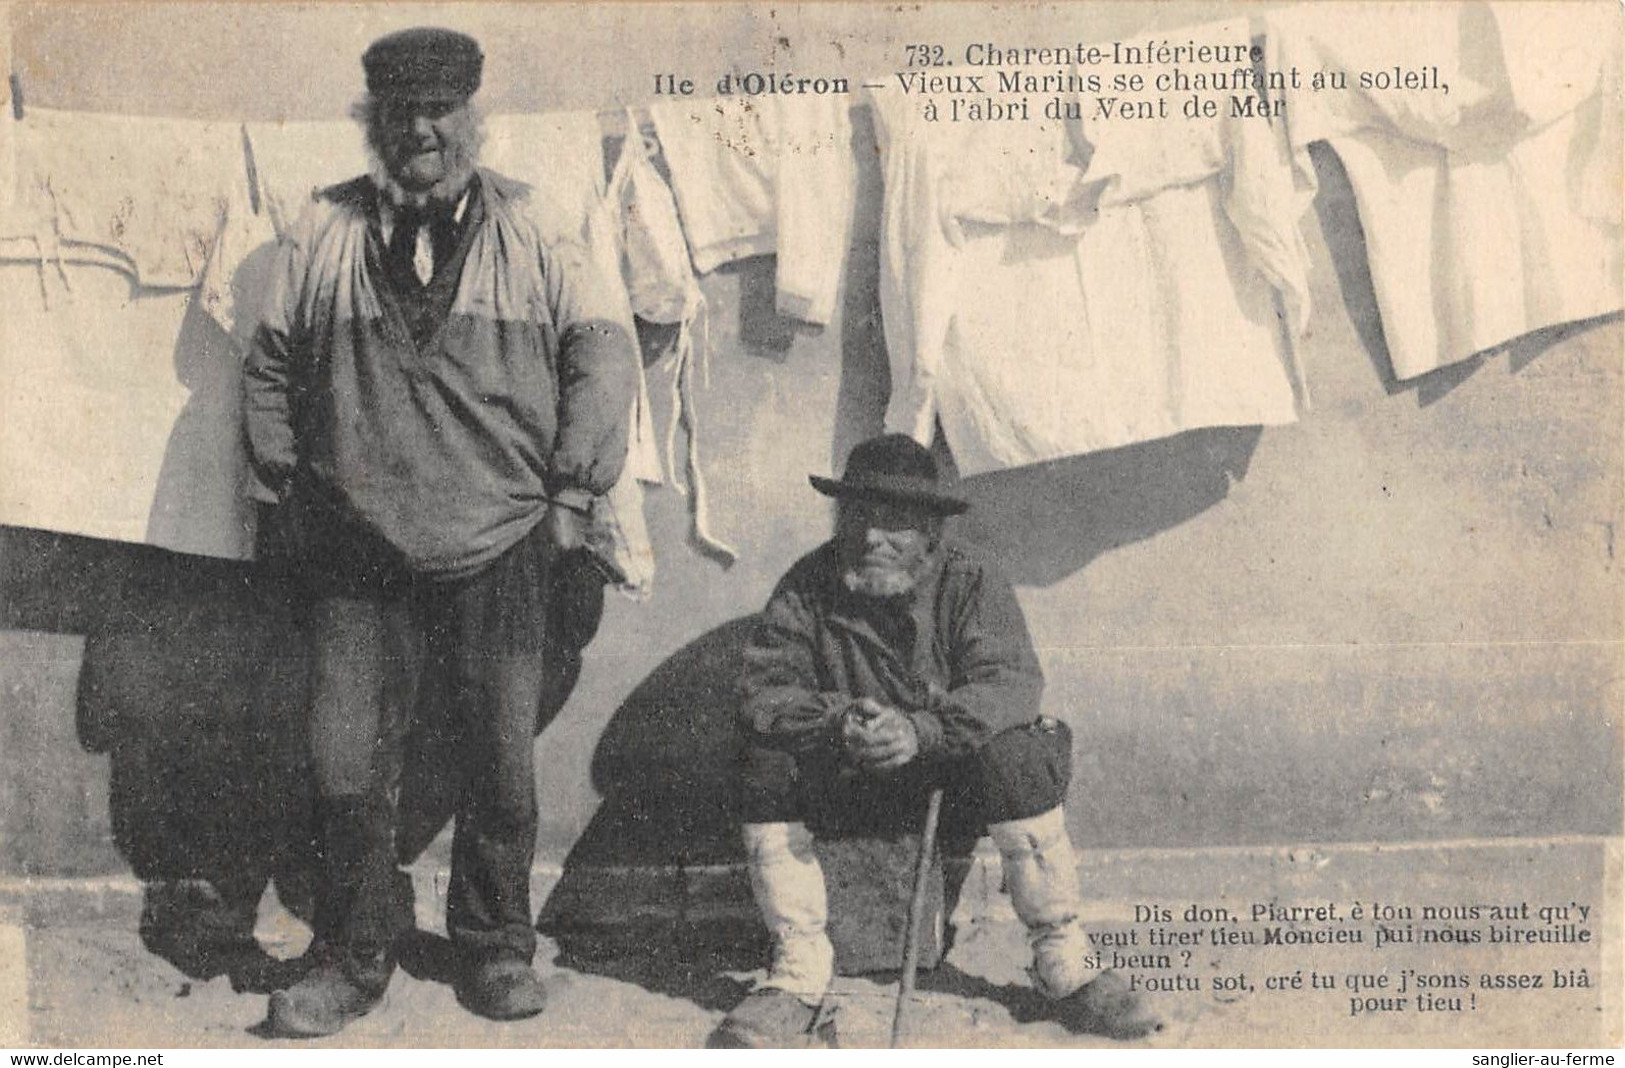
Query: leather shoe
[1106, 1006]
[503, 988]
[766, 1019]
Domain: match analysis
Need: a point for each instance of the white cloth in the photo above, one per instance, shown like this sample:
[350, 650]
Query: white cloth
[1041, 874]
[1265, 196]
[755, 175]
[663, 289]
[1489, 211]
[560, 155]
[124, 420]
[1035, 324]
[145, 196]
[788, 884]
[122, 412]
[659, 280]
[291, 161]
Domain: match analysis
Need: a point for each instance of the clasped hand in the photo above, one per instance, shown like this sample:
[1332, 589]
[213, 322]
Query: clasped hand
[877, 737]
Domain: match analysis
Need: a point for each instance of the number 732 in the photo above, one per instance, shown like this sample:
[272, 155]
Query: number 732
[923, 55]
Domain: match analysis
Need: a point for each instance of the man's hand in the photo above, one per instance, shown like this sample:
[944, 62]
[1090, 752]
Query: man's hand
[566, 527]
[878, 737]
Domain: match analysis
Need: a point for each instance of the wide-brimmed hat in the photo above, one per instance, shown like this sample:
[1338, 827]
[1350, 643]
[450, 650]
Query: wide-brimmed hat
[424, 64]
[893, 467]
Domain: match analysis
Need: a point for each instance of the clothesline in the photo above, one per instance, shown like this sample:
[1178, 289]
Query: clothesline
[1188, 241]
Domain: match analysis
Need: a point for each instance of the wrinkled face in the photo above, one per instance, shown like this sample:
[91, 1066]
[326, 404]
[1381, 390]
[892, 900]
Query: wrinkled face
[884, 546]
[424, 142]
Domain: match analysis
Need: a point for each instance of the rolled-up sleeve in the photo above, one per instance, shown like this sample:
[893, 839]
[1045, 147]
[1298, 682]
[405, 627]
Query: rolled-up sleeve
[597, 370]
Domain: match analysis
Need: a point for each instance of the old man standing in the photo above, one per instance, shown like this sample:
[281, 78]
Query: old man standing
[890, 660]
[433, 398]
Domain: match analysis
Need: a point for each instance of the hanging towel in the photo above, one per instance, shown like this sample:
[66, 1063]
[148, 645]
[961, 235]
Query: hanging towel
[1046, 325]
[147, 196]
[1485, 210]
[663, 289]
[754, 175]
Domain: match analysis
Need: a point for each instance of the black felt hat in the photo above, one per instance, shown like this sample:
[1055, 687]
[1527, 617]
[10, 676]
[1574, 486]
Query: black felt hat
[893, 467]
[426, 63]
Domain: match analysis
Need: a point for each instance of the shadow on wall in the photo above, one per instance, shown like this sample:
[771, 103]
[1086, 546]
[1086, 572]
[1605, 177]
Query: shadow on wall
[1045, 522]
[665, 764]
[642, 872]
[200, 480]
[193, 683]
[194, 686]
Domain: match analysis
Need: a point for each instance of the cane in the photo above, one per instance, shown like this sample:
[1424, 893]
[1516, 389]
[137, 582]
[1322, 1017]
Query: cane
[911, 935]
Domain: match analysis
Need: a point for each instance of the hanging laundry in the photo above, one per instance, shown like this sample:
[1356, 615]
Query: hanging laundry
[663, 290]
[1491, 210]
[754, 175]
[122, 418]
[236, 272]
[290, 161]
[147, 196]
[8, 132]
[1265, 196]
[559, 155]
[1038, 310]
[128, 426]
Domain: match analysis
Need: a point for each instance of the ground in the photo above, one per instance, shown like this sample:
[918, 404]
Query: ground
[91, 983]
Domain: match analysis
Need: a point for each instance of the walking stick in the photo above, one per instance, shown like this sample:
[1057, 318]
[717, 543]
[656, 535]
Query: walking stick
[911, 935]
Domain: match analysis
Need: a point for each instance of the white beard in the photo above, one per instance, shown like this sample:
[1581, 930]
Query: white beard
[445, 191]
[879, 583]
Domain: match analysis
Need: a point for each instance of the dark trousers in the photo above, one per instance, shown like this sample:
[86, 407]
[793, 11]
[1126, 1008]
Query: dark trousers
[375, 629]
[1019, 773]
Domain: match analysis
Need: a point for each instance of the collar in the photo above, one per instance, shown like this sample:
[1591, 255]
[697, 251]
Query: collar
[387, 212]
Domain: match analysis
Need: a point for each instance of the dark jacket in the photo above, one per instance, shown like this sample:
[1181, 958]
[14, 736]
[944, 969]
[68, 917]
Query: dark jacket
[955, 656]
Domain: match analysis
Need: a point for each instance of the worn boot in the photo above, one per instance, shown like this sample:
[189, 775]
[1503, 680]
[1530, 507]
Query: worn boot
[501, 988]
[338, 989]
[363, 905]
[1041, 874]
[789, 888]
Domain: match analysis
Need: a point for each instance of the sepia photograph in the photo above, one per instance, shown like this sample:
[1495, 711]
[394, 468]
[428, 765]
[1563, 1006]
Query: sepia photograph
[691, 525]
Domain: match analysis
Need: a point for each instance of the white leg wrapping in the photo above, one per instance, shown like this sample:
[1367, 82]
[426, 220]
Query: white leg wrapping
[789, 888]
[1041, 875]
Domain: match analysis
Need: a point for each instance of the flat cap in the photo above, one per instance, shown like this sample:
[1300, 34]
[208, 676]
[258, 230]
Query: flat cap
[425, 63]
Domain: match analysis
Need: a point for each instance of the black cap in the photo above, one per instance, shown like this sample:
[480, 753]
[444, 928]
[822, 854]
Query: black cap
[892, 467]
[426, 63]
